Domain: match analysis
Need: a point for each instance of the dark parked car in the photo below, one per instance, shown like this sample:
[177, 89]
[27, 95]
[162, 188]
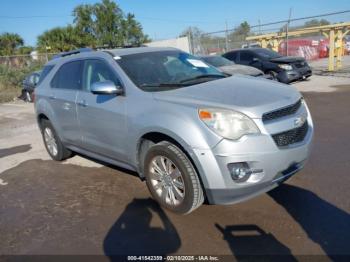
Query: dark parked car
[285, 69]
[229, 67]
[29, 84]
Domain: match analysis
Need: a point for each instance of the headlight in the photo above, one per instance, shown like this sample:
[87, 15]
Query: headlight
[285, 67]
[227, 123]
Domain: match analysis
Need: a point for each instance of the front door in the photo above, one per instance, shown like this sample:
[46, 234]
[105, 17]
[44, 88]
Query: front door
[102, 117]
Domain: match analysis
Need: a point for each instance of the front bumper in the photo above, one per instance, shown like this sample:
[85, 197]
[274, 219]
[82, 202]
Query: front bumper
[274, 164]
[228, 196]
[294, 75]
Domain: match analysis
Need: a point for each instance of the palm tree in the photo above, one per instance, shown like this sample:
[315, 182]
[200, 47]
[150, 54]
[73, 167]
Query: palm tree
[9, 43]
[58, 39]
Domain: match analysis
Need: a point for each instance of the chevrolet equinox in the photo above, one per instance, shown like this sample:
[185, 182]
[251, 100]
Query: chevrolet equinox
[191, 132]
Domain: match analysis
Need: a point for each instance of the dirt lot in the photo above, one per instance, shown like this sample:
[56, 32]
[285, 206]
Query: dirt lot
[82, 207]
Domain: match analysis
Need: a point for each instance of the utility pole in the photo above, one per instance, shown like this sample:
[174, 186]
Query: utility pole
[190, 40]
[287, 29]
[226, 36]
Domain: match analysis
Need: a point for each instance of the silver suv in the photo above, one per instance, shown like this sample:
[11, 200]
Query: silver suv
[191, 132]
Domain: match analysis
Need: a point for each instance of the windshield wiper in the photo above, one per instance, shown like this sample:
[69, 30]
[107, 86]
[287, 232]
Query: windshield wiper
[163, 85]
[202, 76]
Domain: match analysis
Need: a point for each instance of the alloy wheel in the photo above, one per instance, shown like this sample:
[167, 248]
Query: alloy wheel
[167, 181]
[50, 141]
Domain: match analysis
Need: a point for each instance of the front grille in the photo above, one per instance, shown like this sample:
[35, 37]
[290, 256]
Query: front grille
[300, 64]
[291, 136]
[289, 110]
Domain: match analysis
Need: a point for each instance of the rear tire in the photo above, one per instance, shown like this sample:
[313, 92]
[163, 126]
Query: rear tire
[172, 179]
[53, 144]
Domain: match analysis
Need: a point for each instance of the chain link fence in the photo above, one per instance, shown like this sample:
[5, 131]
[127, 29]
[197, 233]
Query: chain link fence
[311, 46]
[14, 69]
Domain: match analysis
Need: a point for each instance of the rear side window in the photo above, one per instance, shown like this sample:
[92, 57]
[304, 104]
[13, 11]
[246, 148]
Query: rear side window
[68, 76]
[46, 70]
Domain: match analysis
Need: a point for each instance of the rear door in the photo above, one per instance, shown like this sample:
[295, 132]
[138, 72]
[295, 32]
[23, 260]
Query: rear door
[63, 94]
[102, 117]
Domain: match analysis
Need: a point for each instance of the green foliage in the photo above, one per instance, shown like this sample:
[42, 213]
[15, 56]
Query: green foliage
[58, 39]
[240, 32]
[9, 43]
[242, 29]
[316, 22]
[100, 24]
[310, 23]
[11, 79]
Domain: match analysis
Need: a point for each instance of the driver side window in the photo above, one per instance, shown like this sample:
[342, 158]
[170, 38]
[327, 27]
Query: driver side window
[98, 71]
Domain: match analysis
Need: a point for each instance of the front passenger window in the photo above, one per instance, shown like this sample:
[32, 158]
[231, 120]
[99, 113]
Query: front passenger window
[98, 71]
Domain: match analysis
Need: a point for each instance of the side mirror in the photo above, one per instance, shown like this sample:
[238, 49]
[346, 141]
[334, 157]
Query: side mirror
[255, 60]
[106, 88]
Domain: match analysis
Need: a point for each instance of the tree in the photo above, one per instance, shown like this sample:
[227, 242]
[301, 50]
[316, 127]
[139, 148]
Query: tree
[108, 24]
[192, 31]
[310, 23]
[239, 34]
[9, 43]
[132, 31]
[242, 29]
[84, 25]
[25, 50]
[100, 24]
[58, 39]
[316, 22]
[195, 36]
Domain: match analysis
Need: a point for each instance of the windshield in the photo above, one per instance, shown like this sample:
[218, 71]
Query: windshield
[217, 61]
[267, 53]
[164, 70]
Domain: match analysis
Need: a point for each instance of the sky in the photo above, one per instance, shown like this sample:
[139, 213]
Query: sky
[163, 19]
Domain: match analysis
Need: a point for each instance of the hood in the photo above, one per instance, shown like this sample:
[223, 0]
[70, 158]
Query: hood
[241, 69]
[251, 96]
[288, 59]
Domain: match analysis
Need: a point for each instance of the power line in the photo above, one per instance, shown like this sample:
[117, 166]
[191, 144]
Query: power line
[34, 16]
[138, 17]
[303, 18]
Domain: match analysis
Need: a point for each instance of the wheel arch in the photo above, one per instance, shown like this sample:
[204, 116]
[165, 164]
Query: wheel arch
[40, 118]
[154, 137]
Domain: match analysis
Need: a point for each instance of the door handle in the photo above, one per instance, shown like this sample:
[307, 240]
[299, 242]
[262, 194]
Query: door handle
[66, 106]
[82, 103]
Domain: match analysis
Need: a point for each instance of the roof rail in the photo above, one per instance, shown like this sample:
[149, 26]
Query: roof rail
[73, 52]
[103, 47]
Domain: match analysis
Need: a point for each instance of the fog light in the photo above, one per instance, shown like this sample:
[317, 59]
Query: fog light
[240, 172]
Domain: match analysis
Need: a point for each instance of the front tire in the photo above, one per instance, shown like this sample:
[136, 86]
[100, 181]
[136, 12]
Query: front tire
[53, 144]
[172, 179]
